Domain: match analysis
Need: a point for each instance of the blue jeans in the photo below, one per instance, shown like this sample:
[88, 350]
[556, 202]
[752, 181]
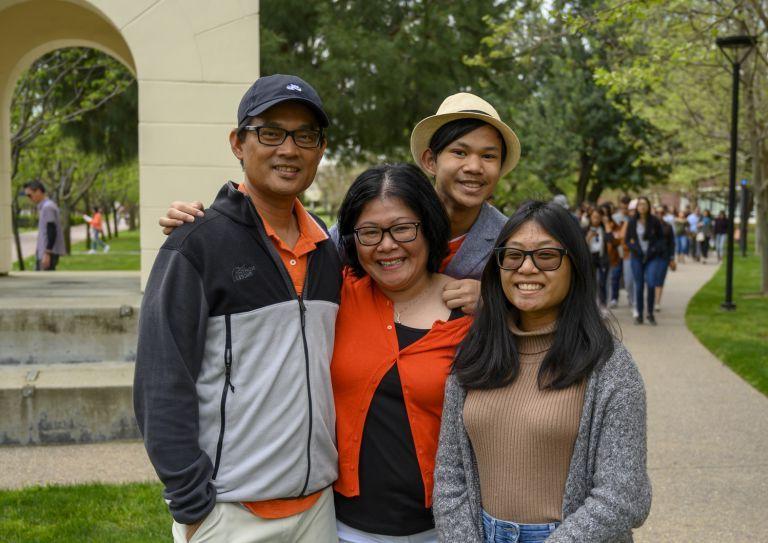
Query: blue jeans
[681, 244]
[645, 274]
[616, 272]
[502, 531]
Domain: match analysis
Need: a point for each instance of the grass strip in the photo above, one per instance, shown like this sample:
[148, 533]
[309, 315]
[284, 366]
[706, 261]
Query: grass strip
[739, 338]
[124, 254]
[130, 513]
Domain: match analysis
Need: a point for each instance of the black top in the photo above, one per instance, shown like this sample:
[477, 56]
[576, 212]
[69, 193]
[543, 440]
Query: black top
[391, 499]
[721, 225]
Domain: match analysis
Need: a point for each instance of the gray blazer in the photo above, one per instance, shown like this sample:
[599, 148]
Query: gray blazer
[607, 491]
[474, 252]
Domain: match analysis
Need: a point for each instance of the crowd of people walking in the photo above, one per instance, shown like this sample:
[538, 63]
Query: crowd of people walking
[633, 245]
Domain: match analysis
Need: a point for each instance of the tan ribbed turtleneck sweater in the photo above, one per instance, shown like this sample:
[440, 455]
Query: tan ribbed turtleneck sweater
[523, 437]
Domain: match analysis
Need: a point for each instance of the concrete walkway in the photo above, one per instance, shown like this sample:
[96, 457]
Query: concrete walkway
[707, 429]
[708, 436]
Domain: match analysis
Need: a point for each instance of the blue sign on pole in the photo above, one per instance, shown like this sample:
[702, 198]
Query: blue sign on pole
[744, 182]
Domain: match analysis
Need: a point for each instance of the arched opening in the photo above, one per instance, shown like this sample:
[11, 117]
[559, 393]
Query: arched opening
[31, 31]
[74, 130]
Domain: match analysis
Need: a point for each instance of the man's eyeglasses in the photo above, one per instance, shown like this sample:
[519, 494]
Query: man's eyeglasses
[273, 136]
[402, 233]
[545, 259]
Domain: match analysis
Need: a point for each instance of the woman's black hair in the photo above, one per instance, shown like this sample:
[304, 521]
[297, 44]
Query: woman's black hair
[450, 132]
[409, 184]
[488, 356]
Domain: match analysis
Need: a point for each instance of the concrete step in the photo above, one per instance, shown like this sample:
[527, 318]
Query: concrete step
[66, 403]
[65, 335]
[63, 317]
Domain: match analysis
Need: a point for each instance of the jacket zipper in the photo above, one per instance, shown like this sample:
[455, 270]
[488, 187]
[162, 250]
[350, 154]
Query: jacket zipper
[227, 387]
[303, 311]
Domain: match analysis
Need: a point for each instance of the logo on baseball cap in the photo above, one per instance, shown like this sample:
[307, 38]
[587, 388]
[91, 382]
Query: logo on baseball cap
[274, 89]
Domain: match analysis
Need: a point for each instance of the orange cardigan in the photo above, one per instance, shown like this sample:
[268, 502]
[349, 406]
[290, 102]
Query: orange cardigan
[365, 349]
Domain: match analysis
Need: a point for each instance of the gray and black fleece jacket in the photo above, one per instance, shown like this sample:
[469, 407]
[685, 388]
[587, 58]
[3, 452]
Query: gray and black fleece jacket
[232, 390]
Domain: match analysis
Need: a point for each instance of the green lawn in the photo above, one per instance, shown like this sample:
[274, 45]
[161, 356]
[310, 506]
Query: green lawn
[123, 255]
[85, 513]
[739, 338]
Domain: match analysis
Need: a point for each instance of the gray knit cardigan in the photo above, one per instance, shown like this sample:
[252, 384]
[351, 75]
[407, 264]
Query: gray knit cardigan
[607, 491]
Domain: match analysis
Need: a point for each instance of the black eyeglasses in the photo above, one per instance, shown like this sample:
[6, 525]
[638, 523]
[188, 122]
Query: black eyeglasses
[545, 259]
[273, 136]
[402, 233]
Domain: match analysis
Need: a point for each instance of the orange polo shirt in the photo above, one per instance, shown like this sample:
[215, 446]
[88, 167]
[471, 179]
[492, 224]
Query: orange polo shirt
[365, 349]
[295, 261]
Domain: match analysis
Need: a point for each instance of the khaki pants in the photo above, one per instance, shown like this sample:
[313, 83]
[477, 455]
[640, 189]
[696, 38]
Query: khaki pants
[233, 523]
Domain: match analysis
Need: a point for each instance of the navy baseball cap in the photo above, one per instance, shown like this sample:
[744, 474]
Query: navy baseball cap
[273, 89]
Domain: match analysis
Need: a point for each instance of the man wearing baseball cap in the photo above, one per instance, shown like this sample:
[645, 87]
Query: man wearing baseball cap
[232, 387]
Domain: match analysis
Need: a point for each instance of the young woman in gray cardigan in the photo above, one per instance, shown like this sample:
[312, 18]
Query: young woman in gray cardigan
[543, 433]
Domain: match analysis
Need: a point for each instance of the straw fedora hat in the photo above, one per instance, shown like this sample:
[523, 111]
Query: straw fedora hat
[465, 106]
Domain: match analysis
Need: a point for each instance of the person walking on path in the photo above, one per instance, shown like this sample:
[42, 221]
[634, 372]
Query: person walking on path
[97, 231]
[620, 236]
[704, 235]
[669, 255]
[694, 220]
[721, 234]
[599, 236]
[50, 236]
[232, 389]
[681, 237]
[645, 239]
[538, 376]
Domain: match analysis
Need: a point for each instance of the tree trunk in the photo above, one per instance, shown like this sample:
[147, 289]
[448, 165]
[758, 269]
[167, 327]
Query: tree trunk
[115, 210]
[586, 163]
[759, 155]
[88, 242]
[66, 226]
[106, 221]
[15, 226]
[595, 191]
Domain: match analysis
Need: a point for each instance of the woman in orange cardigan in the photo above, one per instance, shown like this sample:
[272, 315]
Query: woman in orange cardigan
[395, 340]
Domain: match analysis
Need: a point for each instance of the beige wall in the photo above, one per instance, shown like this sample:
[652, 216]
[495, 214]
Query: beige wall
[193, 60]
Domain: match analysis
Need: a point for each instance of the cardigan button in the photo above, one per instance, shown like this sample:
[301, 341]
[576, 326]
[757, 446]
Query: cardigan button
[389, 327]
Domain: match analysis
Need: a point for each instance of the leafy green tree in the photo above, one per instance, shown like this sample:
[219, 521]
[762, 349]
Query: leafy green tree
[579, 139]
[380, 66]
[668, 58]
[59, 104]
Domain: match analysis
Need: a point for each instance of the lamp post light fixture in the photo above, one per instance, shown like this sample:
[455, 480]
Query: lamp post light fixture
[736, 49]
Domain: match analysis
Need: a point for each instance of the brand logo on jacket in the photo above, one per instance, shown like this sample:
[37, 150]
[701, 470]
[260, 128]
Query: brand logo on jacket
[242, 272]
[293, 87]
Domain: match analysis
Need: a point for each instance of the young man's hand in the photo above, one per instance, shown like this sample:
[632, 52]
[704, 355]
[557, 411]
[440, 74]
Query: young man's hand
[463, 293]
[179, 213]
[46, 261]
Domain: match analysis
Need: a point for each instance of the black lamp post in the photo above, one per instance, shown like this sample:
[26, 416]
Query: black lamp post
[736, 49]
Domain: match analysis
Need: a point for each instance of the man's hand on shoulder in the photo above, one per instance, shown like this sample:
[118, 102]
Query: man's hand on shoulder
[179, 213]
[463, 293]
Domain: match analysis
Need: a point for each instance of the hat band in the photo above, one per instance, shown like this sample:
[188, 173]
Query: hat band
[475, 111]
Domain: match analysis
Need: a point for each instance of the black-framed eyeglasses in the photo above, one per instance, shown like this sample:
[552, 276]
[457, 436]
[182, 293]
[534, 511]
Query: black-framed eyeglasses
[545, 259]
[402, 233]
[306, 138]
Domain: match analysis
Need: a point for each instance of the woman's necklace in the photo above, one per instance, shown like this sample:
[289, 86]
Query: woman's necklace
[404, 307]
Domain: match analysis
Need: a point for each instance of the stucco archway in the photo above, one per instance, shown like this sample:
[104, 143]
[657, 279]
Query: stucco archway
[193, 59]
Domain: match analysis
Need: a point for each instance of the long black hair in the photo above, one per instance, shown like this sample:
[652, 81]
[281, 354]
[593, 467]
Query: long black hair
[404, 181]
[488, 356]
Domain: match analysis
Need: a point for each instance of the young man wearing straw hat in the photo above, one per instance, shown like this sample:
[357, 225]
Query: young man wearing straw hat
[466, 148]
